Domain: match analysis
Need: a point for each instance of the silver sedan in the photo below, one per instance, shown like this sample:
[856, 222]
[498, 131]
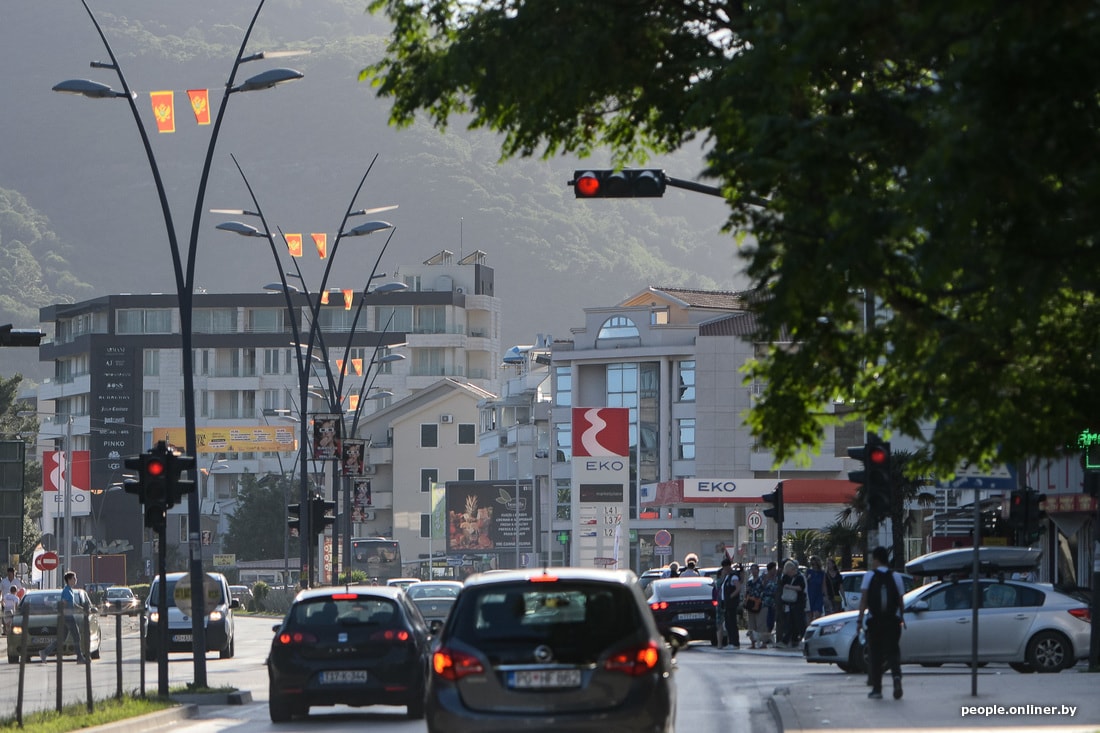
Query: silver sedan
[1030, 626]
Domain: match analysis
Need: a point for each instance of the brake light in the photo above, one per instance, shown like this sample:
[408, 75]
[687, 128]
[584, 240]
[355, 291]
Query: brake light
[694, 584]
[714, 603]
[1084, 614]
[344, 596]
[390, 635]
[659, 605]
[544, 578]
[634, 661]
[289, 638]
[454, 665]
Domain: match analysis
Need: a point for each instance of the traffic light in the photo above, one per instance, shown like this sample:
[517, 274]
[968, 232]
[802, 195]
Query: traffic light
[19, 336]
[319, 515]
[620, 184]
[294, 522]
[1034, 517]
[179, 487]
[154, 476]
[1017, 511]
[776, 500]
[875, 476]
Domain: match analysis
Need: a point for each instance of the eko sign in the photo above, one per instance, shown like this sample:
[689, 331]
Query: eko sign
[726, 490]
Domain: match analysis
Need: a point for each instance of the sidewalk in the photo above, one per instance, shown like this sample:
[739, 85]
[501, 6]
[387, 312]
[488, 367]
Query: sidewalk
[940, 699]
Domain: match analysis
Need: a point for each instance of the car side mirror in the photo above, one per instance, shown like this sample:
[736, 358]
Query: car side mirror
[234, 603]
[435, 626]
[677, 638]
[918, 606]
[276, 627]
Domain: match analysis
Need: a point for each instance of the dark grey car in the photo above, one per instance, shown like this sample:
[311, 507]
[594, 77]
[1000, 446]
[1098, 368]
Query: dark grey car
[562, 649]
[434, 599]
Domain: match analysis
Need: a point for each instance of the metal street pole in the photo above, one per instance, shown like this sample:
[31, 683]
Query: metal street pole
[184, 279]
[68, 539]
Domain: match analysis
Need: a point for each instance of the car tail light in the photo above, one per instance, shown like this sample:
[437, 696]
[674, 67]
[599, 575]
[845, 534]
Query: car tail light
[293, 638]
[634, 661]
[454, 665]
[659, 605]
[544, 578]
[714, 603]
[344, 596]
[1082, 613]
[390, 635]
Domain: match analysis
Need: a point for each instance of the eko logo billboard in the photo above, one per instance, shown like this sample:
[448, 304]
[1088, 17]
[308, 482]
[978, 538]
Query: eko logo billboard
[601, 431]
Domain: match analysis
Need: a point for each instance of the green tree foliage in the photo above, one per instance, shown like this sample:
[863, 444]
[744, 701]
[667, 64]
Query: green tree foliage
[13, 426]
[940, 157]
[257, 527]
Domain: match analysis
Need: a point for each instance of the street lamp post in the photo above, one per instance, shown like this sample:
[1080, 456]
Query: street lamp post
[185, 279]
[315, 337]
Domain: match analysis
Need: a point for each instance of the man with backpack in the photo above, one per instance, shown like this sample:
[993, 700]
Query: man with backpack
[882, 601]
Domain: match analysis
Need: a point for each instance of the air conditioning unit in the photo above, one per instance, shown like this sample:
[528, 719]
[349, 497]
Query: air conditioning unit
[446, 419]
[460, 291]
[369, 469]
[368, 515]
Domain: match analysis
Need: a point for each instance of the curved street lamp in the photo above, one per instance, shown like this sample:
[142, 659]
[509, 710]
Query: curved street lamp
[185, 282]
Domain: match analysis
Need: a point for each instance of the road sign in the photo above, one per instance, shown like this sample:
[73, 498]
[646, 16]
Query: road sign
[454, 561]
[755, 520]
[663, 538]
[46, 561]
[662, 550]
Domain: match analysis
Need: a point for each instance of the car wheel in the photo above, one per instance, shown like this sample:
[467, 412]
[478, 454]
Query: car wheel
[845, 668]
[1048, 652]
[1022, 667]
[228, 652]
[95, 654]
[278, 708]
[13, 660]
[931, 664]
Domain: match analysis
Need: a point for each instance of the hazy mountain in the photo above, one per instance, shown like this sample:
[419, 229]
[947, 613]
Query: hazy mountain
[76, 168]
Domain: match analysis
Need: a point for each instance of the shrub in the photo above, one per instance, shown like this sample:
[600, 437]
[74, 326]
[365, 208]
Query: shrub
[260, 592]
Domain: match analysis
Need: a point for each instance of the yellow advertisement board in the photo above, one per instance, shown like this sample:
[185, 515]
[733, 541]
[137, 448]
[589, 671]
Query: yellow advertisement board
[233, 439]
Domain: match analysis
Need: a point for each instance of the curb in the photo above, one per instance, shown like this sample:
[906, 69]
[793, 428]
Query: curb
[152, 721]
[237, 697]
[780, 707]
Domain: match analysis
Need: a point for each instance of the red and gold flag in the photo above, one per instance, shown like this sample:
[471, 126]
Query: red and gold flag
[349, 296]
[324, 297]
[164, 110]
[200, 105]
[357, 365]
[340, 366]
[294, 244]
[353, 402]
[321, 240]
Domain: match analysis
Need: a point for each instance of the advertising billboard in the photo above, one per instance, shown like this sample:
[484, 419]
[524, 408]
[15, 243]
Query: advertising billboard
[484, 516]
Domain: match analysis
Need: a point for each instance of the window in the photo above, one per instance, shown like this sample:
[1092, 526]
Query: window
[150, 362]
[425, 525]
[394, 318]
[150, 403]
[465, 474]
[617, 327]
[334, 318]
[214, 320]
[563, 497]
[143, 320]
[563, 438]
[183, 528]
[266, 320]
[686, 392]
[271, 361]
[271, 399]
[413, 282]
[563, 386]
[686, 430]
[429, 435]
[658, 316]
[428, 476]
[431, 319]
[429, 363]
[467, 434]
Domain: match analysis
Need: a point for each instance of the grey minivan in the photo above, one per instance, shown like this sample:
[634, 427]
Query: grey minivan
[552, 650]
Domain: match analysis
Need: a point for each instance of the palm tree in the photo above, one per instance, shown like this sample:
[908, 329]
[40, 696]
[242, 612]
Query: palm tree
[802, 543]
[839, 538]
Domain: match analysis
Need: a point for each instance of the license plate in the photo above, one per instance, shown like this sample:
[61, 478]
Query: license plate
[691, 617]
[41, 640]
[544, 678]
[343, 676]
[180, 638]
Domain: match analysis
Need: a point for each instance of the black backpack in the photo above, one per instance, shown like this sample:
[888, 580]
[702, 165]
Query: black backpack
[883, 599]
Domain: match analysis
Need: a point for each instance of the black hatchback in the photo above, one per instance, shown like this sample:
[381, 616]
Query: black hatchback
[551, 650]
[687, 602]
[348, 646]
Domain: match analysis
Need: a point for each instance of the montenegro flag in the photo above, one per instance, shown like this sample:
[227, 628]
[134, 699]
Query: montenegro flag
[324, 297]
[349, 296]
[200, 105]
[294, 244]
[353, 402]
[357, 364]
[164, 110]
[321, 240]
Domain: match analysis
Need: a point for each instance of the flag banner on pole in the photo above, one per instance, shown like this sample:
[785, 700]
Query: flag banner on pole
[294, 244]
[321, 240]
[164, 110]
[353, 457]
[357, 365]
[326, 436]
[353, 402]
[200, 105]
[349, 296]
[340, 367]
[324, 297]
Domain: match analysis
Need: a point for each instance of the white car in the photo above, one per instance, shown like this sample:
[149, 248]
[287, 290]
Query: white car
[850, 581]
[218, 622]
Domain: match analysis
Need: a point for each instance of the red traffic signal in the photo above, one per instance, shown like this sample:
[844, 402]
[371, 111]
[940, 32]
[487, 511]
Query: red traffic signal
[155, 467]
[627, 183]
[878, 456]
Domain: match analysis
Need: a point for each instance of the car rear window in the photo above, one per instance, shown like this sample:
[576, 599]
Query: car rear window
[682, 589]
[359, 611]
[600, 613]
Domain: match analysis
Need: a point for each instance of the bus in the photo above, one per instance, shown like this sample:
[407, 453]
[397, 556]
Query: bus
[378, 557]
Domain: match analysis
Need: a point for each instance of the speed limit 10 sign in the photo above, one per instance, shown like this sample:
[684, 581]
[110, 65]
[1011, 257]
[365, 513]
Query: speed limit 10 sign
[756, 520]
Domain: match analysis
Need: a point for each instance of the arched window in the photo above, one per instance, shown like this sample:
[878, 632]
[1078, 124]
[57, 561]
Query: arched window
[617, 327]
